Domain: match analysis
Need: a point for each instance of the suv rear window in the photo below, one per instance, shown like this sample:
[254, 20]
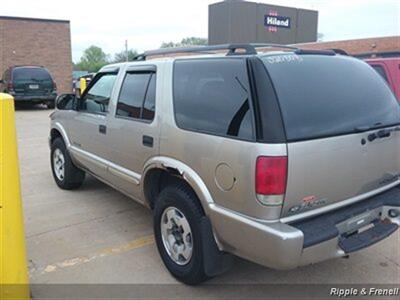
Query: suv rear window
[212, 96]
[323, 96]
[31, 74]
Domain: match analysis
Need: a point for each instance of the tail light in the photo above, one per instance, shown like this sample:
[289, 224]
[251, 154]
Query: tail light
[54, 86]
[271, 176]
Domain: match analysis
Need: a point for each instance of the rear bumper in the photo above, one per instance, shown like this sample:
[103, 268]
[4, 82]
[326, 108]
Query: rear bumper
[35, 98]
[286, 246]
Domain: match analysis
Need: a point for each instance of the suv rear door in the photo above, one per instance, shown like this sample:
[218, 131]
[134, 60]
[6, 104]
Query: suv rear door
[133, 130]
[333, 108]
[32, 81]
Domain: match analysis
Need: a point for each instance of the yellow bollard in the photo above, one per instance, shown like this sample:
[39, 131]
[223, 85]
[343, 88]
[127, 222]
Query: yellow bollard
[13, 266]
[82, 85]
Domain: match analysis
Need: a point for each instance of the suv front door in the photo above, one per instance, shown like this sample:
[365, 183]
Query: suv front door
[88, 127]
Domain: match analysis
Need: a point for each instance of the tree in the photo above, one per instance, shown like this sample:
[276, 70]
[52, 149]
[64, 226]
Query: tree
[186, 42]
[93, 59]
[121, 56]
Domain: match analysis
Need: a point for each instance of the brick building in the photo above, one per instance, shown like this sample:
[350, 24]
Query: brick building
[27, 41]
[358, 46]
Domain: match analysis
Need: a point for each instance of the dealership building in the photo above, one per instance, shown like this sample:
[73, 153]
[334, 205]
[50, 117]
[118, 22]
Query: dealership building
[238, 21]
[235, 21]
[41, 42]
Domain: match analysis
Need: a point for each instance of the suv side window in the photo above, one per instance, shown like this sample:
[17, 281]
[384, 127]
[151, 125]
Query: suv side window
[96, 99]
[381, 71]
[212, 96]
[137, 96]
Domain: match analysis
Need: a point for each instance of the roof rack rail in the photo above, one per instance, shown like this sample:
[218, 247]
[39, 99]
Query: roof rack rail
[247, 49]
[339, 51]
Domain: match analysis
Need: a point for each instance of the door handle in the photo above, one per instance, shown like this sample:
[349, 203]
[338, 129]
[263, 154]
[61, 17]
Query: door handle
[103, 129]
[147, 141]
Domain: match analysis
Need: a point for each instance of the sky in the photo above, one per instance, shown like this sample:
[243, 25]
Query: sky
[145, 24]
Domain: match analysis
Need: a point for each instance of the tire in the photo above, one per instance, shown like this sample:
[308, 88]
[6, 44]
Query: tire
[181, 197]
[50, 104]
[72, 177]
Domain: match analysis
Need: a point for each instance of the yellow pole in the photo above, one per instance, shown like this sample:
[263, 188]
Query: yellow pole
[13, 266]
[82, 85]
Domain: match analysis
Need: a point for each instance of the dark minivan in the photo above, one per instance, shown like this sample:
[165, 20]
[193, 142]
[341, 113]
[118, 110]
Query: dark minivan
[30, 84]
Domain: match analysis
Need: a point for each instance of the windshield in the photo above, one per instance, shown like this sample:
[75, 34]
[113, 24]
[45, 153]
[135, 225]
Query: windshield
[31, 74]
[322, 95]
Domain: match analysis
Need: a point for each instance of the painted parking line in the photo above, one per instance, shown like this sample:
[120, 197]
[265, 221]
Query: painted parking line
[135, 244]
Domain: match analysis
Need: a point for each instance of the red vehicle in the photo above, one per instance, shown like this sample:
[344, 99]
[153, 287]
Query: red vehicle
[387, 64]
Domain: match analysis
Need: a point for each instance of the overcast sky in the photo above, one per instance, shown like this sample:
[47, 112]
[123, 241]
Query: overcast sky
[147, 23]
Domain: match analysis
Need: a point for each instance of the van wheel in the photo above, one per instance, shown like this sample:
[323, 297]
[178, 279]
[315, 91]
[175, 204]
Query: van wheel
[65, 173]
[177, 218]
[50, 104]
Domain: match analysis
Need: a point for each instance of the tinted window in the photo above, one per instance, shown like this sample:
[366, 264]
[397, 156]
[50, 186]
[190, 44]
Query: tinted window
[98, 95]
[323, 95]
[31, 74]
[150, 101]
[212, 96]
[381, 71]
[137, 96]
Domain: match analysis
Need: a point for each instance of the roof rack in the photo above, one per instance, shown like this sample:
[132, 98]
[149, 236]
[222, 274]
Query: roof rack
[378, 54]
[339, 51]
[234, 49]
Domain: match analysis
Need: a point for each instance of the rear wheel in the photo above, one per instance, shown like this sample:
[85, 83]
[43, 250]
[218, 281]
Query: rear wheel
[177, 219]
[65, 173]
[50, 104]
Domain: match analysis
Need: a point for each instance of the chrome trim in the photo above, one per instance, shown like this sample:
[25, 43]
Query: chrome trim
[114, 169]
[337, 205]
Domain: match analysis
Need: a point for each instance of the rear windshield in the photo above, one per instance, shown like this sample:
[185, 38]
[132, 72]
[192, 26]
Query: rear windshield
[323, 96]
[31, 74]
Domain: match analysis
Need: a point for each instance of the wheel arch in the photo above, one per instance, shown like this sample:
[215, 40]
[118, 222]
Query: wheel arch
[57, 130]
[160, 171]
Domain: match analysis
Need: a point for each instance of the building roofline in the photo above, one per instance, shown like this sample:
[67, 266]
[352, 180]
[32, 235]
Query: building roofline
[347, 40]
[33, 19]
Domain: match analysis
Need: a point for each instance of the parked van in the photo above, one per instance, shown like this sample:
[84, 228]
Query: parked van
[30, 84]
[387, 64]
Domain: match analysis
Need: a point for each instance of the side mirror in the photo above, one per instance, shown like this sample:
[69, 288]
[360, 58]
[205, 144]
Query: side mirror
[66, 101]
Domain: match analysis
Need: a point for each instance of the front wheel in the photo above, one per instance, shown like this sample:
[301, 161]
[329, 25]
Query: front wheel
[177, 219]
[65, 173]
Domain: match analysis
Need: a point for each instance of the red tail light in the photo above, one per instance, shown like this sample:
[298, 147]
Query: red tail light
[271, 173]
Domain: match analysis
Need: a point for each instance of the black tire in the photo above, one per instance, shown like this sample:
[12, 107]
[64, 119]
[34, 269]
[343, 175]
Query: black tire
[51, 104]
[183, 198]
[73, 177]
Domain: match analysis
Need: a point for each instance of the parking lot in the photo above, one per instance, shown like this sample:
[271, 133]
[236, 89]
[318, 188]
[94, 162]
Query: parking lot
[97, 235]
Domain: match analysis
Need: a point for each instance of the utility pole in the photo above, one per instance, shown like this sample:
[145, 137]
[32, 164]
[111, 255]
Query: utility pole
[126, 50]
